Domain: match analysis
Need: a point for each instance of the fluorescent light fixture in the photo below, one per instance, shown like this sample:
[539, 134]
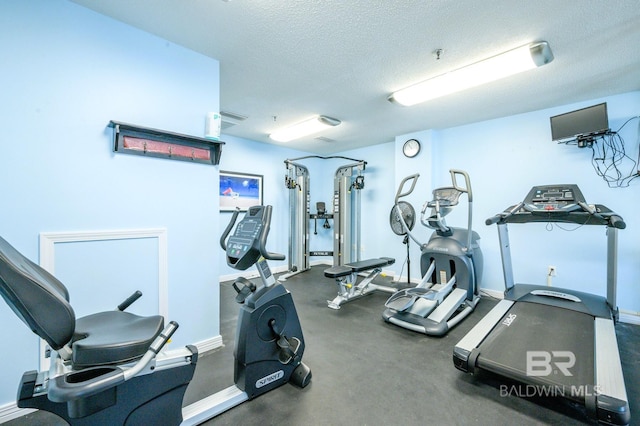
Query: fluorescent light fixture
[304, 128]
[500, 66]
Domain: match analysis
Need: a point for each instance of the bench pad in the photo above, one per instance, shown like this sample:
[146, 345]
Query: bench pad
[360, 266]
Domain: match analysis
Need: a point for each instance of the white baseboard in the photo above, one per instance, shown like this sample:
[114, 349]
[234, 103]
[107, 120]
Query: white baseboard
[496, 294]
[629, 317]
[403, 279]
[209, 344]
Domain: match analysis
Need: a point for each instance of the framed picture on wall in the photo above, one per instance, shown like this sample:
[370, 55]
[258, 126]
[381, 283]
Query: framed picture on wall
[239, 190]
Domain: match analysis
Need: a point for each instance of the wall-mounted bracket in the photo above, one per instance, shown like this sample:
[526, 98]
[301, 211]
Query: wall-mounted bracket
[131, 139]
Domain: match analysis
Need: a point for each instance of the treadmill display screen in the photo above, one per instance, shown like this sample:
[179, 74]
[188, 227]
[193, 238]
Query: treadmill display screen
[553, 199]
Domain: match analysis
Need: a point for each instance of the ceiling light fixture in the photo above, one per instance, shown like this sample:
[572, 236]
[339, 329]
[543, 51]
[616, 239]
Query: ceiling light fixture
[500, 66]
[304, 128]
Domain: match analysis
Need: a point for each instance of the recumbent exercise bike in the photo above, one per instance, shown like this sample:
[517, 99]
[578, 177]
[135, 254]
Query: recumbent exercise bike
[108, 369]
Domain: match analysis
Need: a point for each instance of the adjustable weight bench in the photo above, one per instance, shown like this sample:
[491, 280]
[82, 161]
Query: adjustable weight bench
[346, 276]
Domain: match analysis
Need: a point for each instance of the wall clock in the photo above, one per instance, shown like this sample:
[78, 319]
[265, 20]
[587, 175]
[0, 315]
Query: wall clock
[411, 148]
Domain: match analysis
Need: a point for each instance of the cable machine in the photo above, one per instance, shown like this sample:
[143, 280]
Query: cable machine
[347, 183]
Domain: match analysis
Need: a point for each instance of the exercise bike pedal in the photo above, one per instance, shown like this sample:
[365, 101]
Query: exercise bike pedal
[247, 288]
[288, 349]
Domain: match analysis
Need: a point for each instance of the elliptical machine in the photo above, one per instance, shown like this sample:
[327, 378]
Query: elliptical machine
[450, 263]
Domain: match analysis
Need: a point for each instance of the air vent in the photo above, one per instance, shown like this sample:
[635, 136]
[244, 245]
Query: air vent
[230, 119]
[232, 116]
[323, 139]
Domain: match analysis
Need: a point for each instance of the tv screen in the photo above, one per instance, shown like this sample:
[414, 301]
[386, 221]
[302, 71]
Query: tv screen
[592, 120]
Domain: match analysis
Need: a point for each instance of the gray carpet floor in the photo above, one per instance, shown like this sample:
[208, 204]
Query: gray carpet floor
[368, 372]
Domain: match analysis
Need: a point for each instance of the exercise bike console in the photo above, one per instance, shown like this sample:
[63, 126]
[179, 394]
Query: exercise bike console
[247, 244]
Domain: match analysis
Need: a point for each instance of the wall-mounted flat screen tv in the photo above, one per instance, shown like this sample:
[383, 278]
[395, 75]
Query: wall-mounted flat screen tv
[590, 121]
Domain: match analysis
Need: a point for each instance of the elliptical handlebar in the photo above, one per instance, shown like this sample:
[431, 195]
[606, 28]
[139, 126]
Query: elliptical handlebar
[399, 193]
[467, 190]
[467, 182]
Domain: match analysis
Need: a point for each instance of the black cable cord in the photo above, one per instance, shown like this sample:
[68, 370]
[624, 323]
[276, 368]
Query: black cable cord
[608, 157]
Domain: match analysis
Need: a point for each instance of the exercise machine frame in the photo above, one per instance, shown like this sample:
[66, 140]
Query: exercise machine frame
[451, 265]
[345, 215]
[558, 324]
[346, 277]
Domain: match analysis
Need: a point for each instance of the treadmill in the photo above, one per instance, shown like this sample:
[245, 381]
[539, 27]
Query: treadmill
[553, 342]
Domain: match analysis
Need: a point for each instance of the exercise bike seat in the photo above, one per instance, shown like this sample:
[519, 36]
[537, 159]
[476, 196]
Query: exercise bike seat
[42, 303]
[113, 337]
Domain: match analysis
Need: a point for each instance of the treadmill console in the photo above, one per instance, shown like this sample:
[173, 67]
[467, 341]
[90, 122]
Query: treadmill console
[553, 199]
[557, 203]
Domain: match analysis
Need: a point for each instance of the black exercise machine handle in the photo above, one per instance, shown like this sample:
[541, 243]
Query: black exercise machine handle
[135, 296]
[617, 222]
[501, 216]
[493, 219]
[227, 231]
[266, 223]
[614, 220]
[164, 337]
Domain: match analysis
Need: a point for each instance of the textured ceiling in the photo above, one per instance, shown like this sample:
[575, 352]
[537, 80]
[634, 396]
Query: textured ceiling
[294, 59]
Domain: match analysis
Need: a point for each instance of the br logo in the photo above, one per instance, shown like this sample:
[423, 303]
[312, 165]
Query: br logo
[542, 363]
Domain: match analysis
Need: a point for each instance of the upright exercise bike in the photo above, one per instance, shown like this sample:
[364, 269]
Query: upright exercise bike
[269, 341]
[108, 368]
[451, 264]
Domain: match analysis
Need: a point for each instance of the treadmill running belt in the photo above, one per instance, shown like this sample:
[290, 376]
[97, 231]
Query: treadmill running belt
[544, 346]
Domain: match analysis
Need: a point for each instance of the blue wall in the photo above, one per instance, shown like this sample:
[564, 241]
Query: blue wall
[68, 71]
[246, 156]
[505, 158]
[509, 156]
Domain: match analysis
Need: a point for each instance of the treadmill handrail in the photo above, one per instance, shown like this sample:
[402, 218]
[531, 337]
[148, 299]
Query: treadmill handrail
[501, 217]
[596, 215]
